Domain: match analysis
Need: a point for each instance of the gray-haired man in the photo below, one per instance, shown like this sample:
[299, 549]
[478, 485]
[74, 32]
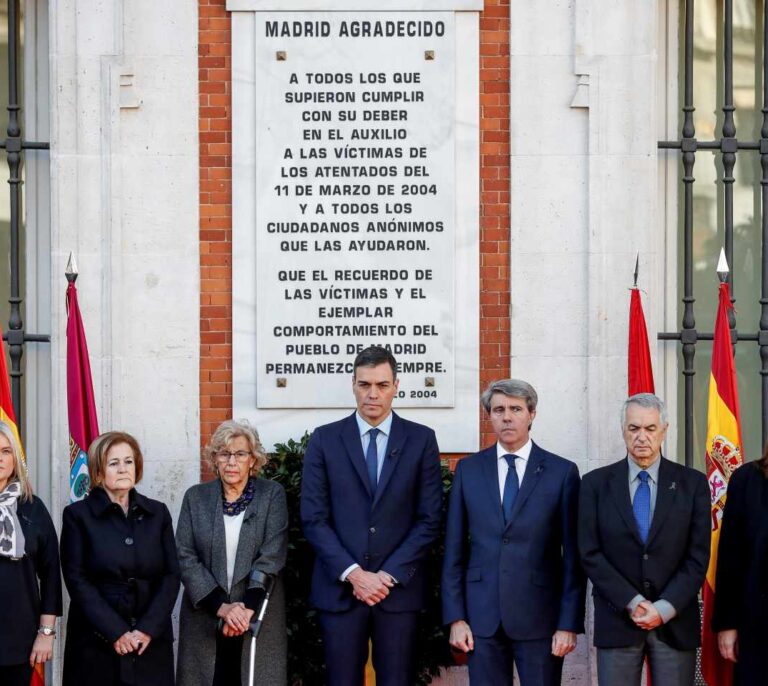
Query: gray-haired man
[644, 537]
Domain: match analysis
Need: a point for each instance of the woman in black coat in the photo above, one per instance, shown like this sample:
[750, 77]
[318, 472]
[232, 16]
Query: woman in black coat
[119, 561]
[741, 586]
[30, 583]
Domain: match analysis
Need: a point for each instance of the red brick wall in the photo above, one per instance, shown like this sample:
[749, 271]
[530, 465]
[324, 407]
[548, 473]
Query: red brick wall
[215, 75]
[214, 62]
[494, 198]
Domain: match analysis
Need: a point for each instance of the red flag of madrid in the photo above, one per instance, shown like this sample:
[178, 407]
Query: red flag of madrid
[83, 424]
[639, 370]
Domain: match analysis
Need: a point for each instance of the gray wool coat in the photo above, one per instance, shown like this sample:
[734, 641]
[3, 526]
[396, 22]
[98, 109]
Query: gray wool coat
[263, 545]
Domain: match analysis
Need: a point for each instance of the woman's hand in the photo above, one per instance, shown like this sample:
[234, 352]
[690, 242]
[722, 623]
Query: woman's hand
[42, 650]
[142, 640]
[236, 618]
[728, 643]
[127, 643]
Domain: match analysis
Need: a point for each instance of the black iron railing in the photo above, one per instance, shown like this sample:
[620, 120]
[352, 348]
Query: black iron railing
[727, 146]
[14, 146]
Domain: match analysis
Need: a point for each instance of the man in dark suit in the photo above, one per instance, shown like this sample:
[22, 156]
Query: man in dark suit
[371, 502]
[644, 534]
[512, 586]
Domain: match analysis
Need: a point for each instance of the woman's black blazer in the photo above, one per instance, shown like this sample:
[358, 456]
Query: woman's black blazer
[31, 586]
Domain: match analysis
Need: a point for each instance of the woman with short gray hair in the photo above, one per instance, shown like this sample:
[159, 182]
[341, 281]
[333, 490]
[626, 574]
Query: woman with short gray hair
[229, 529]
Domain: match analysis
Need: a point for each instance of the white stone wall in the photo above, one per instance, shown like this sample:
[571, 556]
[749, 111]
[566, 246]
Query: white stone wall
[124, 167]
[124, 199]
[584, 202]
[124, 159]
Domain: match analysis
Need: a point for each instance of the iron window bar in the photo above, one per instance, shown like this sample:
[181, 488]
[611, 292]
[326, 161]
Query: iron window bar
[14, 145]
[728, 146]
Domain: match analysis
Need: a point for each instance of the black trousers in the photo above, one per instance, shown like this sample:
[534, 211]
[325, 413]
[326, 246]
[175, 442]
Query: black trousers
[15, 675]
[229, 654]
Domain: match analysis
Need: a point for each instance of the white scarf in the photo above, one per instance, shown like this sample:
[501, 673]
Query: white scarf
[11, 535]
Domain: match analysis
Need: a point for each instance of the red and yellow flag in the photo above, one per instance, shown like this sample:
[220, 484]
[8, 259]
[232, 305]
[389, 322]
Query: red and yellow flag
[7, 413]
[724, 455]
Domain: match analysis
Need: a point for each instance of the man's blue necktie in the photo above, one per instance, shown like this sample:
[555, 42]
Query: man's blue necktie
[511, 487]
[641, 505]
[372, 459]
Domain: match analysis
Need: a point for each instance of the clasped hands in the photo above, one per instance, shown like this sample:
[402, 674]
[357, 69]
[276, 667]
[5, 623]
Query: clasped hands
[237, 618]
[370, 587]
[132, 641]
[563, 642]
[646, 616]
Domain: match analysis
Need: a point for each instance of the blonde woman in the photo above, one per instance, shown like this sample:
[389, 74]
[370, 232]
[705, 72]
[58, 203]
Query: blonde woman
[30, 582]
[228, 529]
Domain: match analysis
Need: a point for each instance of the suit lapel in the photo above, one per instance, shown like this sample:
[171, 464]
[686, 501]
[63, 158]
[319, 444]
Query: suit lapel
[350, 437]
[534, 470]
[491, 474]
[395, 443]
[665, 497]
[619, 489]
[219, 541]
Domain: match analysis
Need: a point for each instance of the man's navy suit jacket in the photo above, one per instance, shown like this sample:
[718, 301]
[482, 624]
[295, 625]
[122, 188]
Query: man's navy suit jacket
[391, 530]
[671, 564]
[524, 575]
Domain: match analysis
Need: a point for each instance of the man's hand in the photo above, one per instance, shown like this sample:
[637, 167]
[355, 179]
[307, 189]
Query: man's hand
[563, 642]
[646, 616]
[461, 637]
[728, 643]
[367, 586]
[388, 581]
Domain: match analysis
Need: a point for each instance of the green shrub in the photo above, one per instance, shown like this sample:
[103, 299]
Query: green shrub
[305, 650]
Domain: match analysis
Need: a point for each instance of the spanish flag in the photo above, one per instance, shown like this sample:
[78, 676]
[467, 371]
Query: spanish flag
[7, 413]
[724, 455]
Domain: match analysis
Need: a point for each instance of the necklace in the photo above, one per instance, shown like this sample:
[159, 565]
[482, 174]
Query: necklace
[237, 506]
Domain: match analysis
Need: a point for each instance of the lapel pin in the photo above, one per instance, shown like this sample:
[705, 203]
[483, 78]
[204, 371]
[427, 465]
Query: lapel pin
[672, 486]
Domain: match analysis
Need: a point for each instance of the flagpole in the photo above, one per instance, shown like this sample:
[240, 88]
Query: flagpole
[71, 270]
[637, 268]
[722, 267]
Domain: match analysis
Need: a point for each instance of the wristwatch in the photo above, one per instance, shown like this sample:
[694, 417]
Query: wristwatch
[46, 630]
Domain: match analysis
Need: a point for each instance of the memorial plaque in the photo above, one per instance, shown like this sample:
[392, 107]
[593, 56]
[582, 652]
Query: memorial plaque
[354, 202]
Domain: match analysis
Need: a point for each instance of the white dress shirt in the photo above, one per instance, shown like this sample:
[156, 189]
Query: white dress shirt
[382, 439]
[521, 463]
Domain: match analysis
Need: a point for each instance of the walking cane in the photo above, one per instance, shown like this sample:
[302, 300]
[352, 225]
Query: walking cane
[267, 582]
